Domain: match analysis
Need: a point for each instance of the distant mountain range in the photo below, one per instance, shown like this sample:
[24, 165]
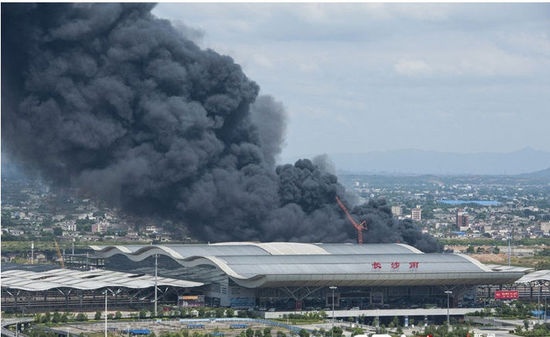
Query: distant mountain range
[542, 174]
[441, 163]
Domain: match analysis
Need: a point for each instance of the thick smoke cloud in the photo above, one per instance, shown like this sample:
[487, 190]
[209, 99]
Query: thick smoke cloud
[383, 228]
[109, 99]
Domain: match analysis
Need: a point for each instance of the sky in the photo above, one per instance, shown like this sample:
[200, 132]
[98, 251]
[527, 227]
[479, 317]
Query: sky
[363, 77]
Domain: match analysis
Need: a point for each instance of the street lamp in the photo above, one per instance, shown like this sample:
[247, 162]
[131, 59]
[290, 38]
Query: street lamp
[545, 308]
[540, 312]
[333, 288]
[107, 290]
[448, 292]
[106, 293]
[156, 277]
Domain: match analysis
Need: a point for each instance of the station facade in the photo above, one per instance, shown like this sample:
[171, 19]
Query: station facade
[301, 276]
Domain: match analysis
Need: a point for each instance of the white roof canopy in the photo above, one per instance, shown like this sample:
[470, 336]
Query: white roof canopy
[84, 280]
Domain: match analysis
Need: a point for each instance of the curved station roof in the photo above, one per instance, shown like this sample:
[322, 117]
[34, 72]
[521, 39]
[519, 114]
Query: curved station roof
[279, 264]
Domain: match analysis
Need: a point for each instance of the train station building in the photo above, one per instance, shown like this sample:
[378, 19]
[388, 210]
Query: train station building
[277, 276]
[302, 276]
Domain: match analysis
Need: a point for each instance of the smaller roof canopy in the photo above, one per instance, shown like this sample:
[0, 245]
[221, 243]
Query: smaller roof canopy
[84, 280]
[541, 277]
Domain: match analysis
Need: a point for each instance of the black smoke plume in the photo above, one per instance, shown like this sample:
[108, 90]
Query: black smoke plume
[112, 100]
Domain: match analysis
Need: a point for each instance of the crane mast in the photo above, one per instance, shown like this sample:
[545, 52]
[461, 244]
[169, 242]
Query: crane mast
[358, 227]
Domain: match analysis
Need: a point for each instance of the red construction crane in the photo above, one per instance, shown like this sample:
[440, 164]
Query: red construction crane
[358, 227]
[59, 255]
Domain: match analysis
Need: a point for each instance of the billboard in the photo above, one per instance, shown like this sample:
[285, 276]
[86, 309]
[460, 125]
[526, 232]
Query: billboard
[506, 295]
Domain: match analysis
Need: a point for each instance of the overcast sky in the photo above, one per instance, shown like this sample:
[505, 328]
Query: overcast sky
[374, 77]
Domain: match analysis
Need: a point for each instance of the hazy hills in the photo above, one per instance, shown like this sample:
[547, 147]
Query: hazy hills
[441, 163]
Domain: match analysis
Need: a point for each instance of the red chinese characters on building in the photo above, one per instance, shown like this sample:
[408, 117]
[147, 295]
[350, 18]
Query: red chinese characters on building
[413, 265]
[395, 265]
[506, 295]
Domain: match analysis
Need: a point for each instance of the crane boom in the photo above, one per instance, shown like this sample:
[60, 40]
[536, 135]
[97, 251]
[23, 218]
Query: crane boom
[59, 255]
[358, 227]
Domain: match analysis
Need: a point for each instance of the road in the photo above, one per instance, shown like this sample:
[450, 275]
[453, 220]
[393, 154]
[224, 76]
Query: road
[384, 312]
[12, 321]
